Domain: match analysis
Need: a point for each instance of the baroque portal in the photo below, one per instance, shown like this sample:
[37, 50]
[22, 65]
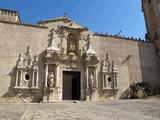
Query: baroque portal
[70, 68]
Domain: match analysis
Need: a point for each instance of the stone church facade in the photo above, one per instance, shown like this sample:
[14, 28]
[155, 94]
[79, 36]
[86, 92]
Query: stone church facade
[59, 59]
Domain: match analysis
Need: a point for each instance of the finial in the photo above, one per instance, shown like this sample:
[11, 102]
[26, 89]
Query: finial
[20, 58]
[90, 51]
[28, 53]
[89, 37]
[36, 58]
[65, 14]
[29, 49]
[52, 34]
[107, 57]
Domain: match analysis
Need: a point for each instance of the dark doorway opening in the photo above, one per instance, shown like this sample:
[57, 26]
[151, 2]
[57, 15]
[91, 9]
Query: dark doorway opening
[71, 85]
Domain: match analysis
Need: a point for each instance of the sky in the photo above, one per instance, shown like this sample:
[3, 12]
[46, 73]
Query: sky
[102, 16]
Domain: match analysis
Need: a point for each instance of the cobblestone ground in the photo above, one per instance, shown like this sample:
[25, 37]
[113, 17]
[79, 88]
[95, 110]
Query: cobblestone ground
[114, 110]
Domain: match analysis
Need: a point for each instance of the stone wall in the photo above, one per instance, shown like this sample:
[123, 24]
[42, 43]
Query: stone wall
[14, 39]
[149, 65]
[9, 16]
[135, 60]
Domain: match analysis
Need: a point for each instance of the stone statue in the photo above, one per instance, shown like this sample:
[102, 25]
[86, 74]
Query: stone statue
[72, 47]
[51, 80]
[91, 81]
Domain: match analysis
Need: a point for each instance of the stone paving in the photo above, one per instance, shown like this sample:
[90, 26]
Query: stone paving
[113, 110]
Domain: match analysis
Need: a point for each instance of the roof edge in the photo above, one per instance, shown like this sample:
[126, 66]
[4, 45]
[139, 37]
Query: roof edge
[121, 37]
[54, 19]
[30, 25]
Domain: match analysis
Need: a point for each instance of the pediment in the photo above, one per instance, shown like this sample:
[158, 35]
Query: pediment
[61, 21]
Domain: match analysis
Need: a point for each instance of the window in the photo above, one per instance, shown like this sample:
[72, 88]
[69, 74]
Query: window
[27, 77]
[109, 79]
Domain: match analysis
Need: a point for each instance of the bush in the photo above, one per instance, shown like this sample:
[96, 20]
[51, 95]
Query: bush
[140, 90]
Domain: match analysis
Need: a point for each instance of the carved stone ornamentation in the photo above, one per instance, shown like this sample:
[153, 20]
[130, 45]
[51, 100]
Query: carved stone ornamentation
[20, 62]
[35, 63]
[106, 65]
[52, 47]
[72, 43]
[109, 73]
[90, 56]
[27, 59]
[26, 72]
[90, 50]
[51, 81]
[91, 81]
[91, 62]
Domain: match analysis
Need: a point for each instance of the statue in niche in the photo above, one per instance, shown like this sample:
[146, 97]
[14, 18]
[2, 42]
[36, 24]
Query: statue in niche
[71, 43]
[51, 81]
[91, 81]
[71, 47]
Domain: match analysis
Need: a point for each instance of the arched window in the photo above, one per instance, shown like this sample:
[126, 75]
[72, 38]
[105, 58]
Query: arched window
[72, 44]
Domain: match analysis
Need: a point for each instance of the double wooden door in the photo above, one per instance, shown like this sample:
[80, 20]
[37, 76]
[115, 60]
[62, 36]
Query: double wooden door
[71, 85]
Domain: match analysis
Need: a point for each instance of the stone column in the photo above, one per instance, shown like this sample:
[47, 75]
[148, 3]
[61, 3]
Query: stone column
[95, 95]
[80, 44]
[115, 80]
[87, 85]
[16, 84]
[46, 75]
[88, 89]
[20, 77]
[37, 79]
[57, 76]
[33, 79]
[45, 94]
[96, 78]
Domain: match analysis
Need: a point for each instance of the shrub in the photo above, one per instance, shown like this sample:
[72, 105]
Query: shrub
[140, 90]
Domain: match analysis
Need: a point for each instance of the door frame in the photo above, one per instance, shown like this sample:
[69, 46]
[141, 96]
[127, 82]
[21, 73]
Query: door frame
[73, 87]
[82, 82]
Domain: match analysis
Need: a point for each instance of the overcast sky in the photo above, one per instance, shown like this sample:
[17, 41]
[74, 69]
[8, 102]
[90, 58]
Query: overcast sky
[101, 16]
